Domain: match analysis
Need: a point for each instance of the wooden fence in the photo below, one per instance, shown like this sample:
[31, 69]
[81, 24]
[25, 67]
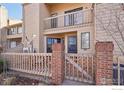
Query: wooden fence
[34, 63]
[80, 67]
[77, 67]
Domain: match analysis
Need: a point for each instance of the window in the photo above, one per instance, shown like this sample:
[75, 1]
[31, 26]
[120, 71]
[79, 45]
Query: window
[13, 30]
[74, 18]
[72, 44]
[54, 21]
[12, 44]
[19, 30]
[85, 40]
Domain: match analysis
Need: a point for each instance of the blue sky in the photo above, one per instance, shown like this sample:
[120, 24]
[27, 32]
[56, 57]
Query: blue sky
[14, 10]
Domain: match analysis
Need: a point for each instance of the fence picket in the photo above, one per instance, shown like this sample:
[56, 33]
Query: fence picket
[80, 70]
[30, 63]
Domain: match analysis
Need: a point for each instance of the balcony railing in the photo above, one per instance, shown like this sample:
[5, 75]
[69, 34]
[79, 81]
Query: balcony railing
[14, 32]
[70, 19]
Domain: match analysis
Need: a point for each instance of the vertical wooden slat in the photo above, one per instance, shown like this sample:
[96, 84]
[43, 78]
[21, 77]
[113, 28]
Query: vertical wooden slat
[48, 63]
[18, 61]
[73, 73]
[36, 63]
[118, 70]
[87, 64]
[92, 66]
[24, 61]
[31, 62]
[42, 64]
[45, 65]
[65, 66]
[77, 58]
[82, 60]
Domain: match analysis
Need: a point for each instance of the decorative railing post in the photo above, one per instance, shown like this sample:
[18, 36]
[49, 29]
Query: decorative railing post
[104, 61]
[57, 63]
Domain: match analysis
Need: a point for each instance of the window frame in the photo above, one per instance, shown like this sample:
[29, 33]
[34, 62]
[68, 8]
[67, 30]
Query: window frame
[74, 36]
[88, 40]
[54, 21]
[71, 16]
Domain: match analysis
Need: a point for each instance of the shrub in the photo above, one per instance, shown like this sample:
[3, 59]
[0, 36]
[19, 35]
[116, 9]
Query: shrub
[1, 65]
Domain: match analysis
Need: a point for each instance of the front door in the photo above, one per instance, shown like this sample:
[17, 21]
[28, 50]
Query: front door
[72, 44]
[50, 42]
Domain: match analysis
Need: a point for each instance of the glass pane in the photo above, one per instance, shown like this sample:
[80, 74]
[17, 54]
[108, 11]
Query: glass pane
[78, 18]
[19, 29]
[72, 44]
[12, 44]
[85, 38]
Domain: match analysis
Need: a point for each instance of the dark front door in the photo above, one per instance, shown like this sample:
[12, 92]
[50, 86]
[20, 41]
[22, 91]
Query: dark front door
[72, 44]
[50, 42]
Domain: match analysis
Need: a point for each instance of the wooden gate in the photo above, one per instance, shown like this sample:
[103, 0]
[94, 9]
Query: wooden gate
[80, 67]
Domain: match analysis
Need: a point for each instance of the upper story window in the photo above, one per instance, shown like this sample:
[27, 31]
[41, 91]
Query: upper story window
[54, 21]
[14, 30]
[73, 18]
[85, 40]
[19, 29]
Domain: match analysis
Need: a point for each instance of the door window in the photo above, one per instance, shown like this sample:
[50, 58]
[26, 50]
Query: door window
[72, 44]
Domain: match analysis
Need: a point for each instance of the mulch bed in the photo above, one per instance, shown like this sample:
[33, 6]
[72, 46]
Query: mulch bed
[25, 81]
[20, 80]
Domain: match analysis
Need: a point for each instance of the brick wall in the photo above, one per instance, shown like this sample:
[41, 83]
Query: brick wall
[57, 64]
[104, 61]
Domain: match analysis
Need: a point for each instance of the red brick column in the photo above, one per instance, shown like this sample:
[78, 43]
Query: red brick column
[104, 59]
[57, 63]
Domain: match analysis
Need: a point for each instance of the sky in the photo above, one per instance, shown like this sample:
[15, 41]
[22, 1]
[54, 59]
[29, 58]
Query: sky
[14, 10]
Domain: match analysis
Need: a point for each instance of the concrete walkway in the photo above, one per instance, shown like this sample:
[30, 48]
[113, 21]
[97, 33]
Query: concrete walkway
[70, 82]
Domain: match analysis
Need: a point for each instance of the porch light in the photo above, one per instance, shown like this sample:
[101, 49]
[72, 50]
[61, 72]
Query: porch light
[34, 36]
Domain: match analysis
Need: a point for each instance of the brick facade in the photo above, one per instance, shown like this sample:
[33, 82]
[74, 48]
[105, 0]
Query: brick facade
[57, 64]
[104, 59]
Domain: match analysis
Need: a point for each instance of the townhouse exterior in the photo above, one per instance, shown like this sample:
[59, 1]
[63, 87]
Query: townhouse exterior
[60, 23]
[10, 31]
[83, 29]
[12, 36]
[75, 25]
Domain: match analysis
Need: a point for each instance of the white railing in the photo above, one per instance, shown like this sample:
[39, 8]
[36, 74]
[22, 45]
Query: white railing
[70, 19]
[34, 63]
[118, 70]
[80, 67]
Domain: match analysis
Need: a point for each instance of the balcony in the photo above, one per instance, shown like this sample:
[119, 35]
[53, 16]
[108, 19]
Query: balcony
[69, 21]
[14, 34]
